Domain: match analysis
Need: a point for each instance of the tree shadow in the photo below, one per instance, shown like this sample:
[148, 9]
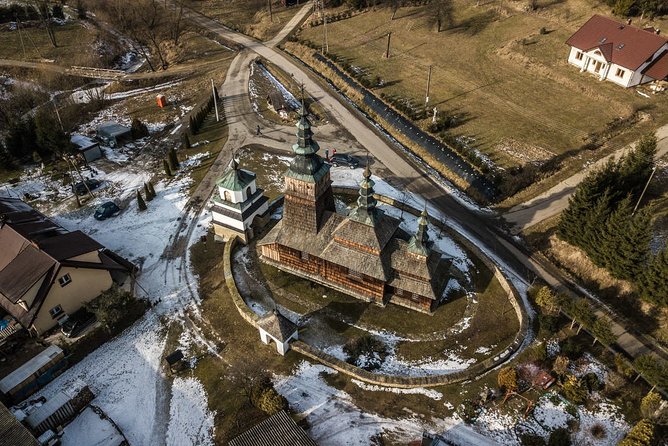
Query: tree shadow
[475, 24]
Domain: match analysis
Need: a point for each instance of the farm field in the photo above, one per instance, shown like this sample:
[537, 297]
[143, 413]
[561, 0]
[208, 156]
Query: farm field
[516, 97]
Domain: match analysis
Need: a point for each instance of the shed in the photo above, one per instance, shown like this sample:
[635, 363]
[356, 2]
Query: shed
[278, 328]
[87, 147]
[35, 373]
[113, 134]
[543, 380]
[174, 358]
[277, 430]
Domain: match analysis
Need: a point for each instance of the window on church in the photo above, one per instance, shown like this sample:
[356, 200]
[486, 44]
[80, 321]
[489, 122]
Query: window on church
[304, 255]
[227, 196]
[248, 192]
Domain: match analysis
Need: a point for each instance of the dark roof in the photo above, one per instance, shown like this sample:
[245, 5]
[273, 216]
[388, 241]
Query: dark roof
[658, 69]
[174, 357]
[12, 432]
[277, 325]
[69, 245]
[277, 430]
[23, 272]
[112, 129]
[624, 45]
[236, 179]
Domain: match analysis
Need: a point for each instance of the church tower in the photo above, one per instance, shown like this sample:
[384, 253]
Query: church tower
[308, 188]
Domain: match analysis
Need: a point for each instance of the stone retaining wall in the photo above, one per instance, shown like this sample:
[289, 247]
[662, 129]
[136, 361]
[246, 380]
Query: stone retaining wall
[404, 382]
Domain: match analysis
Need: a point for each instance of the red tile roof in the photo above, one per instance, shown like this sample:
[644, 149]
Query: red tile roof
[622, 44]
[658, 69]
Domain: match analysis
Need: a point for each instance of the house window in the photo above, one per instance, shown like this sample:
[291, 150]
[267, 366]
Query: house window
[620, 72]
[55, 311]
[65, 280]
[578, 55]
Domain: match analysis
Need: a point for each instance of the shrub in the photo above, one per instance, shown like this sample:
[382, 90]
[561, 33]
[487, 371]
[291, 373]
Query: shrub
[642, 434]
[138, 129]
[528, 439]
[468, 410]
[114, 307]
[591, 382]
[598, 431]
[559, 437]
[574, 390]
[507, 379]
[367, 352]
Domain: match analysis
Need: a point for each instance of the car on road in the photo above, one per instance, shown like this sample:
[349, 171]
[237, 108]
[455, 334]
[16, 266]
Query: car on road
[77, 322]
[343, 159]
[106, 210]
[81, 189]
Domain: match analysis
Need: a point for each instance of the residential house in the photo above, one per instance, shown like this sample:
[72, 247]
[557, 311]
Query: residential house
[618, 52]
[48, 272]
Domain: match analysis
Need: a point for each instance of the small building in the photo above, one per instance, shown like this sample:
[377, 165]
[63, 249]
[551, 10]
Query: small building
[618, 52]
[12, 432]
[278, 328]
[34, 374]
[88, 148]
[277, 430]
[237, 204]
[48, 272]
[113, 134]
[543, 380]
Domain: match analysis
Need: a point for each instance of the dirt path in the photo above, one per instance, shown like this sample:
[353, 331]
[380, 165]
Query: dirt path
[555, 200]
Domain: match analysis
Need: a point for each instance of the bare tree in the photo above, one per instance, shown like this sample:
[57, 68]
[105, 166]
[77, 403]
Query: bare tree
[42, 7]
[442, 14]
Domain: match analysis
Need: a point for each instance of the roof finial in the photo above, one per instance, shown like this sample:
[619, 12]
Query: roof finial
[303, 111]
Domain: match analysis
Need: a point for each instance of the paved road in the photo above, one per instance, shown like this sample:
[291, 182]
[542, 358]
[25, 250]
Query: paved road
[482, 227]
[555, 200]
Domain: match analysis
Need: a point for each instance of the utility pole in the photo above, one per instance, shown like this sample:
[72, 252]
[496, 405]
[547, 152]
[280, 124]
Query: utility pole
[426, 98]
[69, 167]
[215, 100]
[324, 26]
[18, 28]
[644, 190]
[271, 13]
[55, 107]
[387, 52]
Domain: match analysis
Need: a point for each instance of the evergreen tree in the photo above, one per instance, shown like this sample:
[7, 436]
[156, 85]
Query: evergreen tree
[636, 166]
[602, 330]
[168, 169]
[653, 369]
[653, 282]
[172, 167]
[174, 158]
[595, 218]
[138, 129]
[6, 159]
[574, 390]
[582, 313]
[507, 379]
[650, 406]
[141, 204]
[185, 140]
[57, 12]
[51, 139]
[642, 434]
[546, 299]
[193, 125]
[152, 189]
[147, 192]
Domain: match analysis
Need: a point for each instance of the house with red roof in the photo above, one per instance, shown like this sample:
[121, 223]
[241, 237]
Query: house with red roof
[619, 52]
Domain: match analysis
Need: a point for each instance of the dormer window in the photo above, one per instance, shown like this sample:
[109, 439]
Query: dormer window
[603, 39]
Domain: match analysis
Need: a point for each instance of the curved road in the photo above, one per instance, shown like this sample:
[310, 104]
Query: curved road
[483, 228]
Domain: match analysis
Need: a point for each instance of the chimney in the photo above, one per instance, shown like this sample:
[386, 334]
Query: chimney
[658, 31]
[628, 22]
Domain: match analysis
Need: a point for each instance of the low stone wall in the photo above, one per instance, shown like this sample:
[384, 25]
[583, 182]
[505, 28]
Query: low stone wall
[239, 302]
[405, 382]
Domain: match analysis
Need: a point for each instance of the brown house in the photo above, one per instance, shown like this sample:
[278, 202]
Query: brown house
[364, 254]
[47, 272]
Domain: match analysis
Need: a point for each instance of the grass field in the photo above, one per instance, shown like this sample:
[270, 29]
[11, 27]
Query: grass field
[517, 97]
[243, 16]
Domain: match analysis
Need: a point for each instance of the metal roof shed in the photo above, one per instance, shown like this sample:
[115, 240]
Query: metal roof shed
[87, 147]
[113, 133]
[31, 370]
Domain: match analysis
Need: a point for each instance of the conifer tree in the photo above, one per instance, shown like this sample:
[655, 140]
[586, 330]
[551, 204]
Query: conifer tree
[653, 282]
[174, 158]
[633, 247]
[168, 170]
[147, 192]
[193, 125]
[642, 434]
[152, 189]
[546, 299]
[602, 330]
[172, 167]
[594, 219]
[636, 166]
[185, 140]
[141, 204]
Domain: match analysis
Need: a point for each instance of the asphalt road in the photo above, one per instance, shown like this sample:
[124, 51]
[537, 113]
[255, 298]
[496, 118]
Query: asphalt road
[482, 227]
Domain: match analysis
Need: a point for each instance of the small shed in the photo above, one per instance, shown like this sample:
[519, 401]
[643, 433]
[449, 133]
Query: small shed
[543, 380]
[34, 374]
[173, 359]
[278, 328]
[277, 430]
[113, 134]
[87, 147]
[161, 100]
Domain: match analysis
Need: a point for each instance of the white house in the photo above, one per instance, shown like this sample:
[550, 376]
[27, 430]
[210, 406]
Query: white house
[276, 327]
[237, 204]
[618, 52]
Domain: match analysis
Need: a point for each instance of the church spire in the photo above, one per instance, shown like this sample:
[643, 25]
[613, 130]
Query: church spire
[419, 243]
[366, 211]
[305, 144]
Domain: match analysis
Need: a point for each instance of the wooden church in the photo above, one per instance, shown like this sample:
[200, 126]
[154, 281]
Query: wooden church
[364, 254]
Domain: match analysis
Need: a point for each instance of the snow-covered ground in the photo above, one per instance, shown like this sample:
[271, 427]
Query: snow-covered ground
[125, 373]
[92, 430]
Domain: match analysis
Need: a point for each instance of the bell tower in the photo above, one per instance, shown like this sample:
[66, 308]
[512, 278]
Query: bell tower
[308, 188]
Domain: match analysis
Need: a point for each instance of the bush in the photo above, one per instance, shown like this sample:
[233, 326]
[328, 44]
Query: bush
[507, 379]
[264, 396]
[591, 382]
[574, 390]
[468, 410]
[559, 437]
[115, 307]
[571, 348]
[367, 352]
[598, 431]
[528, 439]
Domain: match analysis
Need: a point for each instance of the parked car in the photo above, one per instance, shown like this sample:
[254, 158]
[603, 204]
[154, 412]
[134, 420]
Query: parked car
[343, 159]
[106, 210]
[81, 189]
[77, 322]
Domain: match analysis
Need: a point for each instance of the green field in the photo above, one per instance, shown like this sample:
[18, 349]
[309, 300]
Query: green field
[515, 93]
